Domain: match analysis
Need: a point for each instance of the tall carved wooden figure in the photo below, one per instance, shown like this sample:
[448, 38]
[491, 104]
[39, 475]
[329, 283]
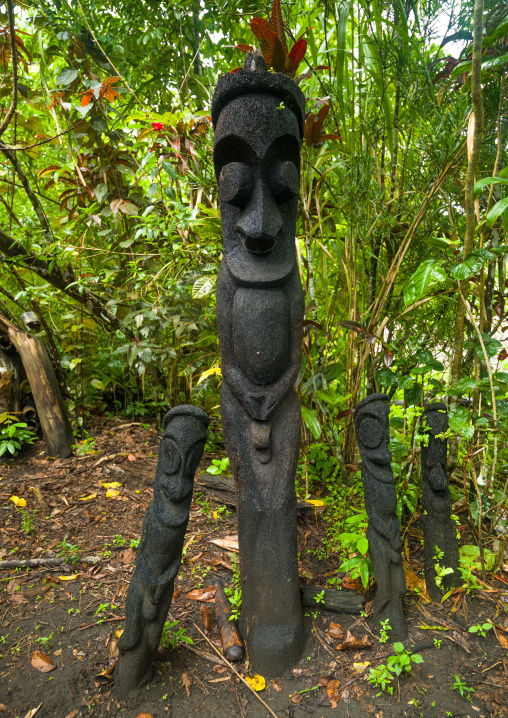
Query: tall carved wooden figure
[383, 532]
[160, 549]
[440, 544]
[258, 118]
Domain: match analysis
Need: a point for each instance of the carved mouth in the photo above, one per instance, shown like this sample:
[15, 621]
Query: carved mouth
[259, 245]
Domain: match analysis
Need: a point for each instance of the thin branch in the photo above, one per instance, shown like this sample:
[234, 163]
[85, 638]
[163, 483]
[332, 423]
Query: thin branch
[235, 671]
[13, 148]
[14, 55]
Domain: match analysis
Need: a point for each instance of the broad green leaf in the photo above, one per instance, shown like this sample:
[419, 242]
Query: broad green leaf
[66, 77]
[460, 421]
[492, 346]
[202, 287]
[311, 421]
[465, 384]
[469, 266]
[497, 210]
[169, 169]
[363, 545]
[486, 182]
[428, 274]
[385, 377]
[100, 192]
[406, 382]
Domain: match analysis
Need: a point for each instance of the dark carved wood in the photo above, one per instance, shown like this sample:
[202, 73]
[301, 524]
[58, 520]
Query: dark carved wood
[343, 601]
[383, 532]
[160, 549]
[439, 531]
[258, 118]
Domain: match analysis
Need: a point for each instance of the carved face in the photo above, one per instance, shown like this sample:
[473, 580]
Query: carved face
[180, 453]
[257, 159]
[373, 434]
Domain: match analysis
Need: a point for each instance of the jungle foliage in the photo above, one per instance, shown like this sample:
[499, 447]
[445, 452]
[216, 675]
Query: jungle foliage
[111, 231]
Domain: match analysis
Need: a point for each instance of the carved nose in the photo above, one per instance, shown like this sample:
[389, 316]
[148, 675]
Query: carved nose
[260, 222]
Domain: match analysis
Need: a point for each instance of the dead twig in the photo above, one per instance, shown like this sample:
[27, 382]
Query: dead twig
[235, 672]
[48, 562]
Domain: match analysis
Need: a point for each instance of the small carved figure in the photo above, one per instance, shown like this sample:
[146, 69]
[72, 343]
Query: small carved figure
[258, 118]
[160, 549]
[440, 545]
[383, 532]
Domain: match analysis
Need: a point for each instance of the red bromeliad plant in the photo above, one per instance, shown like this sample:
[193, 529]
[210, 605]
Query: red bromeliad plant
[272, 41]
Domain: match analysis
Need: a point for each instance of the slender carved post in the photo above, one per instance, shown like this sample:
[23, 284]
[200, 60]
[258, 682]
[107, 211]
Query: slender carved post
[439, 533]
[383, 532]
[258, 118]
[160, 549]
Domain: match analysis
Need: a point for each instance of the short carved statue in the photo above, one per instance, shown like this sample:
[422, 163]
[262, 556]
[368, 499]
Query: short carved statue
[441, 549]
[258, 118]
[383, 532]
[160, 549]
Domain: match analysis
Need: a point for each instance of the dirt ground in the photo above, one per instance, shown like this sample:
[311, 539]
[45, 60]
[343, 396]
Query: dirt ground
[71, 613]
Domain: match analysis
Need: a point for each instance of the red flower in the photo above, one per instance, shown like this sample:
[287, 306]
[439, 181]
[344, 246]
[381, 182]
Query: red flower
[158, 126]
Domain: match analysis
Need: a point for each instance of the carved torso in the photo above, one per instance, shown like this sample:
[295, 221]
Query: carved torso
[261, 322]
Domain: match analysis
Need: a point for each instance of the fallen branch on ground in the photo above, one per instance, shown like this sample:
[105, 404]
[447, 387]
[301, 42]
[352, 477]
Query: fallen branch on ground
[235, 672]
[48, 562]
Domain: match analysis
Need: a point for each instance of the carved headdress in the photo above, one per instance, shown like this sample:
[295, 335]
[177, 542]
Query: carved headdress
[255, 78]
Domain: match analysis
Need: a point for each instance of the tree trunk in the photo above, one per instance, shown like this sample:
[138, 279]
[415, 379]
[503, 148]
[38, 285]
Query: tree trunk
[474, 147]
[55, 423]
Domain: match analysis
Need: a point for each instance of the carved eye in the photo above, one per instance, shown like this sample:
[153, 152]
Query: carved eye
[285, 182]
[371, 432]
[235, 183]
[172, 463]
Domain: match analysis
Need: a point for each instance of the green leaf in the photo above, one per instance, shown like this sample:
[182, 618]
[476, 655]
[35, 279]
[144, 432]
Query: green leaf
[428, 274]
[497, 210]
[406, 382]
[470, 266]
[363, 545]
[460, 421]
[97, 383]
[311, 421]
[364, 573]
[487, 181]
[424, 356]
[202, 287]
[152, 190]
[501, 376]
[66, 77]
[385, 377]
[169, 169]
[463, 385]
[100, 192]
[492, 346]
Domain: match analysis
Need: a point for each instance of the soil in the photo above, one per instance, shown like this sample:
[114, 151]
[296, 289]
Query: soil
[72, 612]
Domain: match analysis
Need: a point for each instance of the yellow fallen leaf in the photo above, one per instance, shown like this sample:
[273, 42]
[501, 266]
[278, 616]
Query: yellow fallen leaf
[215, 515]
[256, 682]
[424, 627]
[416, 584]
[17, 501]
[138, 491]
[68, 578]
[87, 498]
[118, 633]
[360, 667]
[111, 494]
[112, 485]
[315, 502]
